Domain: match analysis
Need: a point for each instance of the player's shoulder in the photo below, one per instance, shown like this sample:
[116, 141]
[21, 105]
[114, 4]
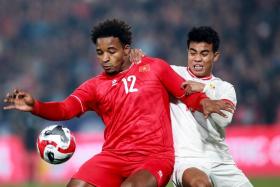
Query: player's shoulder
[222, 83]
[157, 65]
[152, 60]
[94, 79]
[91, 82]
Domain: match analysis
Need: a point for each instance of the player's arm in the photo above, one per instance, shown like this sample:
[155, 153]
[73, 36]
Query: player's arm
[196, 101]
[172, 82]
[221, 120]
[23, 101]
[225, 94]
[63, 110]
[72, 106]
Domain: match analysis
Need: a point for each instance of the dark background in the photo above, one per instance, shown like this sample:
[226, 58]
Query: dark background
[45, 48]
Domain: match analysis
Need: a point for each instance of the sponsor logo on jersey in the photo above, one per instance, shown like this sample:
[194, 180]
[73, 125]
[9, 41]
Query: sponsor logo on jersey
[114, 82]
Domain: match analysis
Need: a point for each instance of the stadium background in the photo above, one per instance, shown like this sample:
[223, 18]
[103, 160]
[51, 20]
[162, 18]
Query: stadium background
[45, 48]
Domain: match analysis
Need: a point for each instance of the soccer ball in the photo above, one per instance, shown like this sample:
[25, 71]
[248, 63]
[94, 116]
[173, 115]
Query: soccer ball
[56, 144]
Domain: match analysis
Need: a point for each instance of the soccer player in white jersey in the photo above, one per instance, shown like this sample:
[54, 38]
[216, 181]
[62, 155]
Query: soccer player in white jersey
[201, 154]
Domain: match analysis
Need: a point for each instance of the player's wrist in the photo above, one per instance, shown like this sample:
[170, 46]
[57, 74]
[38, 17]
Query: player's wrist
[201, 87]
[35, 107]
[203, 101]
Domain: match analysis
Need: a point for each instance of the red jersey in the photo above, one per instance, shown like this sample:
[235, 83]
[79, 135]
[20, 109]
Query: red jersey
[133, 104]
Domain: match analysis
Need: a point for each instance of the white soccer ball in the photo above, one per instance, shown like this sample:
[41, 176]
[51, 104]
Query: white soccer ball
[56, 144]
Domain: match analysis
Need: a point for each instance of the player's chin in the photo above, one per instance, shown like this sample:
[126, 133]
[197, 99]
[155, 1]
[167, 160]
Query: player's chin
[198, 73]
[110, 71]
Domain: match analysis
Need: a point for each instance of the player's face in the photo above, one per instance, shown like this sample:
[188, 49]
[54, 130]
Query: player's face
[201, 58]
[112, 55]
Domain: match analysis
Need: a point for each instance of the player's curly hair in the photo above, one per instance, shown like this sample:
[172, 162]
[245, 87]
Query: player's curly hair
[112, 27]
[204, 34]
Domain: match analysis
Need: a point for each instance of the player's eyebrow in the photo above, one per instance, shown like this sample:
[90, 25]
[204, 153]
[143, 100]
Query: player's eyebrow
[192, 49]
[205, 50]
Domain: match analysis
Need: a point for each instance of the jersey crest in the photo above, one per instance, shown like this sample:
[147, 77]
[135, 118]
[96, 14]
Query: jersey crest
[144, 68]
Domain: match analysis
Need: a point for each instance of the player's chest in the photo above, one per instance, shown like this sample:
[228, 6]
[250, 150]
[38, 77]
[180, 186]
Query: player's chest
[129, 87]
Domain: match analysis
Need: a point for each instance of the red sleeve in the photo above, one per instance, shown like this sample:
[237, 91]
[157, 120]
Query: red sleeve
[80, 101]
[56, 111]
[193, 101]
[172, 81]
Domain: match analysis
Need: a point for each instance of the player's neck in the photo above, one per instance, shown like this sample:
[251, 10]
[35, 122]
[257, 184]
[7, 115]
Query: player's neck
[126, 64]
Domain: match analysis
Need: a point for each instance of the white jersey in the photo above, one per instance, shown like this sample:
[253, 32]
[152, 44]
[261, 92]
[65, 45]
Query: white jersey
[197, 137]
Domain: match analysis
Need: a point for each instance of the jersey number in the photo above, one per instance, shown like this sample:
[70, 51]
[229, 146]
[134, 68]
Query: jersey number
[130, 79]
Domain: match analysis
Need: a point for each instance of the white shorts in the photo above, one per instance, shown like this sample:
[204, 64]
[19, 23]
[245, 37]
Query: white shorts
[220, 174]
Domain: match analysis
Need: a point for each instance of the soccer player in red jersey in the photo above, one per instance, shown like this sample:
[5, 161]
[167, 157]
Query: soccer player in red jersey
[133, 102]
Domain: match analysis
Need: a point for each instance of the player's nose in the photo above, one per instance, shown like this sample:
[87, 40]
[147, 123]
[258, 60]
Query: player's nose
[105, 57]
[197, 58]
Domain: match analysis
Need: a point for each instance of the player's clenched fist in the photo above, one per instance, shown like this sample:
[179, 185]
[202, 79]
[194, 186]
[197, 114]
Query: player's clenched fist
[19, 100]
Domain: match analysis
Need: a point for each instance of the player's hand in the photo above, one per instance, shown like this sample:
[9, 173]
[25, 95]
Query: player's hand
[216, 106]
[136, 55]
[19, 100]
[192, 86]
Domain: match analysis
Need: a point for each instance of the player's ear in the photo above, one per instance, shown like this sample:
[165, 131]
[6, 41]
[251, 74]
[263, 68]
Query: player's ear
[217, 55]
[126, 50]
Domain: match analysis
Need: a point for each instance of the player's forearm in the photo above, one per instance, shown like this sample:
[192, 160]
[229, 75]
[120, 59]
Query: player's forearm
[220, 120]
[173, 81]
[193, 101]
[213, 93]
[65, 110]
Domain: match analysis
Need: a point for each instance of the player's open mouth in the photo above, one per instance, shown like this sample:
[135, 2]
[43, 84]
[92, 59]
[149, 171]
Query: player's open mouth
[198, 67]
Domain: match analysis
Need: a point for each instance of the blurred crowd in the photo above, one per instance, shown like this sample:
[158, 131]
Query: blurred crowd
[45, 48]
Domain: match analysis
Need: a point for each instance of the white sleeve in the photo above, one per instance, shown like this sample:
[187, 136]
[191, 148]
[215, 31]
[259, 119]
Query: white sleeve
[219, 89]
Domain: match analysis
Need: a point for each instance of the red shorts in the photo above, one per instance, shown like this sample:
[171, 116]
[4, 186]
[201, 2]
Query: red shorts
[107, 169]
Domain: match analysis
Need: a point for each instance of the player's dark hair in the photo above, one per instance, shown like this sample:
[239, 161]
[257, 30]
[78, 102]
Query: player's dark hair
[115, 28]
[204, 34]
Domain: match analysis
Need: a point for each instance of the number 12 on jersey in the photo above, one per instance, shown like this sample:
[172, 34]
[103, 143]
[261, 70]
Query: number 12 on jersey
[129, 84]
